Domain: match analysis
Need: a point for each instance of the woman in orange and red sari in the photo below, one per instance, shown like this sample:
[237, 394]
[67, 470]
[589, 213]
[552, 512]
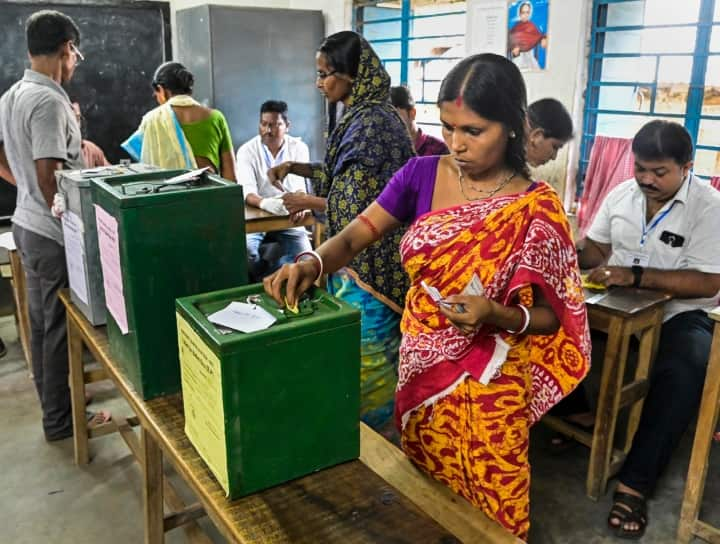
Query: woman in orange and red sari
[494, 326]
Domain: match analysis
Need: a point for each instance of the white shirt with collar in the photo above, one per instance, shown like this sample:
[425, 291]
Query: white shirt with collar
[254, 160]
[683, 235]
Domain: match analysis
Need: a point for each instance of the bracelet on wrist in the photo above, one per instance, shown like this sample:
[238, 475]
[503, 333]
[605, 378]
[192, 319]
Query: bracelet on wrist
[310, 254]
[525, 320]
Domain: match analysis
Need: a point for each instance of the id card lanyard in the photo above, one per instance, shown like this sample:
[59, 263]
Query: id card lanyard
[647, 229]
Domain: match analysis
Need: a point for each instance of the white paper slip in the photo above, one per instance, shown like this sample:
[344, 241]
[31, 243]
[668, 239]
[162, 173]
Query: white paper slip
[594, 299]
[7, 241]
[432, 291]
[182, 178]
[242, 317]
[474, 287]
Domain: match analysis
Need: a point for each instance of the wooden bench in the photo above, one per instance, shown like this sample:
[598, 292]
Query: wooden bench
[620, 313]
[380, 497]
[690, 524]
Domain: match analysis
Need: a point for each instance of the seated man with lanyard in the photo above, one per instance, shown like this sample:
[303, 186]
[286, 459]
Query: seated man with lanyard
[660, 231]
[272, 146]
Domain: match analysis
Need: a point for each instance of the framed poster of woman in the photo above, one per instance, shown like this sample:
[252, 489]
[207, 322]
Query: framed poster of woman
[528, 33]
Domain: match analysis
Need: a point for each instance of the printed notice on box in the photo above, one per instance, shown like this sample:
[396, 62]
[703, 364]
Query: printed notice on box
[202, 399]
[75, 254]
[109, 242]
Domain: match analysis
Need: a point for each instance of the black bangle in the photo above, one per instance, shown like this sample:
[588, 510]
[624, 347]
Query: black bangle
[637, 275]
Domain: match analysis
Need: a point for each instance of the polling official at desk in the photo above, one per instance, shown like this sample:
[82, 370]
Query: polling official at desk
[272, 146]
[660, 231]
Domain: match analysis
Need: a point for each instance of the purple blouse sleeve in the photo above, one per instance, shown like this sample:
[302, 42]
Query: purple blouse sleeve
[409, 193]
[398, 198]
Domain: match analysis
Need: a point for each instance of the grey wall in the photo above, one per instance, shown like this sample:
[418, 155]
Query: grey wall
[244, 56]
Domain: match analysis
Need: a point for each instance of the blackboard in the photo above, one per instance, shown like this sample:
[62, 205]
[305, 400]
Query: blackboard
[123, 43]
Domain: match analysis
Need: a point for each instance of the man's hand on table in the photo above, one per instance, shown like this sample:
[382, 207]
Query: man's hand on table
[612, 275]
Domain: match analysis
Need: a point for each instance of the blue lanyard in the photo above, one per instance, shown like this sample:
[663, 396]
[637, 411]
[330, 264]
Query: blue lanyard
[646, 230]
[268, 161]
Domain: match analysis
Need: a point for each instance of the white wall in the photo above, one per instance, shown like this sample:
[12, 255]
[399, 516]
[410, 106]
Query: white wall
[564, 79]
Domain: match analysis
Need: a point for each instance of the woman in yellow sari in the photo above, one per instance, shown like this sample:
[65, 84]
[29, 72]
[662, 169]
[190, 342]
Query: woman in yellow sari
[494, 326]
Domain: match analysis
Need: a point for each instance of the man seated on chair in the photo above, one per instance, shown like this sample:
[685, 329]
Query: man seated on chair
[273, 145]
[660, 231]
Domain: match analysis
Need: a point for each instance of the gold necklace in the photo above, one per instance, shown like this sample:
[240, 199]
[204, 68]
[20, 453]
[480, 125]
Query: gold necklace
[488, 194]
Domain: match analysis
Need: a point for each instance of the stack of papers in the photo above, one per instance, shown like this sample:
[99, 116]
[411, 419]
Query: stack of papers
[243, 317]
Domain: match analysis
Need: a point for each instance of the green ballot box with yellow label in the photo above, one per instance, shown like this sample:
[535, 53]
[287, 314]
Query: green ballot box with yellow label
[161, 238]
[276, 404]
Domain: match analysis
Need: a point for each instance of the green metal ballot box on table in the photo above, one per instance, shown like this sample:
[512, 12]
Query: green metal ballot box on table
[81, 243]
[269, 406]
[158, 242]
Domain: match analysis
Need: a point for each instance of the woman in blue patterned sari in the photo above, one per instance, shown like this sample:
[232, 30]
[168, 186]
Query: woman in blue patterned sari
[368, 145]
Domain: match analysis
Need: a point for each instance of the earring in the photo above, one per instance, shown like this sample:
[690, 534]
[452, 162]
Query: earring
[512, 134]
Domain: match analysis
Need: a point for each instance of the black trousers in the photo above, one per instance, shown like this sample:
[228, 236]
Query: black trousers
[45, 270]
[676, 385]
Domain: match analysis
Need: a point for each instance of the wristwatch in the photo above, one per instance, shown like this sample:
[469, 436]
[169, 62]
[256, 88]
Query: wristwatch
[637, 275]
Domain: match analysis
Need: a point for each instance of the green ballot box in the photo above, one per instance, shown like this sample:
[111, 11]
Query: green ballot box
[159, 241]
[269, 406]
[81, 243]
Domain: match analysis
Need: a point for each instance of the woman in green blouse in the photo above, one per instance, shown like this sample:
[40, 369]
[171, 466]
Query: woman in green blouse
[181, 132]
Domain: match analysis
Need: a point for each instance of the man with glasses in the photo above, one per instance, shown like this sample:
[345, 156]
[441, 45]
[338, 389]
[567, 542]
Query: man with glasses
[39, 134]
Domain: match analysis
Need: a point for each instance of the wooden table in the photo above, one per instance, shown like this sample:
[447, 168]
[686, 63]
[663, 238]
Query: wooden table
[690, 524]
[22, 317]
[379, 498]
[621, 313]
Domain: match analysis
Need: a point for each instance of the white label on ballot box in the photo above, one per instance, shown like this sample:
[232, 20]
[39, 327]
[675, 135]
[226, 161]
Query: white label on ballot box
[75, 254]
[202, 399]
[109, 243]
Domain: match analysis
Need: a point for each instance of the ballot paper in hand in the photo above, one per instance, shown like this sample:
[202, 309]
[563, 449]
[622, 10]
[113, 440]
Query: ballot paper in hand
[473, 288]
[242, 317]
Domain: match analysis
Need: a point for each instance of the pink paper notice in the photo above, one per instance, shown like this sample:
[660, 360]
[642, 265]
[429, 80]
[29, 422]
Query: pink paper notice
[107, 229]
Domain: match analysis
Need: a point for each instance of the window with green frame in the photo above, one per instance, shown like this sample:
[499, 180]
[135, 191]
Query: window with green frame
[655, 59]
[419, 41]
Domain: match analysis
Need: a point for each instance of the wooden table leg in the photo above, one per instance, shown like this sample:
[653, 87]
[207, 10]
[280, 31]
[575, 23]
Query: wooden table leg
[77, 393]
[649, 339]
[608, 407]
[152, 489]
[707, 421]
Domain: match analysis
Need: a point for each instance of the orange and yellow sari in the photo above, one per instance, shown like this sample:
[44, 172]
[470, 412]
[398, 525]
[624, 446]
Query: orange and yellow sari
[470, 436]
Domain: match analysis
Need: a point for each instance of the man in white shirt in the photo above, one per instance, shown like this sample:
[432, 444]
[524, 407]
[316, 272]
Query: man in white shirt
[661, 231]
[272, 146]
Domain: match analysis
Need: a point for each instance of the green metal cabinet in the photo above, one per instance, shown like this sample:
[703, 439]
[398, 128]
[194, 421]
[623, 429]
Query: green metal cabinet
[170, 241]
[270, 406]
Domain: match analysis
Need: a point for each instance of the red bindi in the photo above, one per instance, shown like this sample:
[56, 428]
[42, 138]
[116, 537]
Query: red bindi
[458, 101]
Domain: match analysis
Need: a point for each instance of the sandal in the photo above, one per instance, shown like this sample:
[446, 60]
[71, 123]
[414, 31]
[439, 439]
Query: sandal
[628, 509]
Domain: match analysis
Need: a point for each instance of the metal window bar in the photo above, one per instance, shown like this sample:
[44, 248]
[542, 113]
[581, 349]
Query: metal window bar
[700, 55]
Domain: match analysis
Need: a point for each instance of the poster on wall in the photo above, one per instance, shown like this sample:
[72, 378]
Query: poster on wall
[528, 33]
[486, 30]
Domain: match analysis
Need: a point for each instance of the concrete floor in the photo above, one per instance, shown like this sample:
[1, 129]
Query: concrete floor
[46, 498]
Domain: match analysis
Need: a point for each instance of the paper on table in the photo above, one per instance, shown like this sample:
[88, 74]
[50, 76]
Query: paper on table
[7, 241]
[109, 242]
[75, 254]
[242, 317]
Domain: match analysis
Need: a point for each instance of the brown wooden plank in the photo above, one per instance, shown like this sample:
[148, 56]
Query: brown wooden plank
[629, 300]
[707, 532]
[257, 220]
[22, 315]
[706, 425]
[607, 409]
[152, 489]
[77, 393]
[450, 510]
